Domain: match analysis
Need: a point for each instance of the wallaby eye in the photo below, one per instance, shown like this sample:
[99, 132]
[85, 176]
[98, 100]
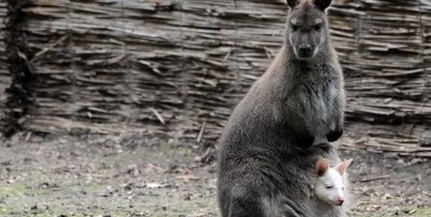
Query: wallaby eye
[295, 27]
[317, 27]
[329, 187]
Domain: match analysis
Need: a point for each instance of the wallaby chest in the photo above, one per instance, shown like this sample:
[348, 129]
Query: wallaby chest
[315, 94]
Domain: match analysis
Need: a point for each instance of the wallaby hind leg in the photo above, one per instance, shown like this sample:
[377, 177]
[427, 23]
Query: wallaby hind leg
[251, 205]
[245, 202]
[238, 209]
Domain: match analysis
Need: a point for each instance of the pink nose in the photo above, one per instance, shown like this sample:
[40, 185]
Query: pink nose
[340, 201]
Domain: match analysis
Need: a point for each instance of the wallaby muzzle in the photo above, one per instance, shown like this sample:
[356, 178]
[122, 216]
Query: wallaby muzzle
[305, 51]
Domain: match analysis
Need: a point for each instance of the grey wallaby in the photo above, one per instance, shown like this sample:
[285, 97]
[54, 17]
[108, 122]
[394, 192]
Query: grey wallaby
[285, 124]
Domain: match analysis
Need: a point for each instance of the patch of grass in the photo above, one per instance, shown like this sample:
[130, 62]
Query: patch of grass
[12, 189]
[422, 212]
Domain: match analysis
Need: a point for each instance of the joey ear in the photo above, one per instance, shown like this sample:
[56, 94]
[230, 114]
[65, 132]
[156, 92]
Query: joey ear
[322, 166]
[292, 3]
[322, 4]
[342, 167]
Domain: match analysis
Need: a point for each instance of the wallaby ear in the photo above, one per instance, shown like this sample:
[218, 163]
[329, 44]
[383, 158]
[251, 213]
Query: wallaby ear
[292, 3]
[322, 4]
[342, 167]
[322, 166]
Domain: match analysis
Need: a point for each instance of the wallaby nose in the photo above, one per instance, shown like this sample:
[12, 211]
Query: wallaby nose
[304, 50]
[340, 201]
[304, 47]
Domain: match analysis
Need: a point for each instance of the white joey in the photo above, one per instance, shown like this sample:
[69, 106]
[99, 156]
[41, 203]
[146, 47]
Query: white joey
[330, 184]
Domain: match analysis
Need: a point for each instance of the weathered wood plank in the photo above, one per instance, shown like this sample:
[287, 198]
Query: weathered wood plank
[133, 63]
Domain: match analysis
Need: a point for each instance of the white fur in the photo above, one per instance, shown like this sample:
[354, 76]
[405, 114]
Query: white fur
[333, 179]
[328, 199]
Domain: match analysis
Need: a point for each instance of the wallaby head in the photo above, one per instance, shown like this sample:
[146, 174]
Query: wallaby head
[329, 186]
[307, 29]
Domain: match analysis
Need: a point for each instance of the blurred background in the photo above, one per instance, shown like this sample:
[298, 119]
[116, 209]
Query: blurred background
[177, 68]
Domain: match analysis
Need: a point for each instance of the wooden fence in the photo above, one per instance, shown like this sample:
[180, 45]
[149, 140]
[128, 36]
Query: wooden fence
[177, 68]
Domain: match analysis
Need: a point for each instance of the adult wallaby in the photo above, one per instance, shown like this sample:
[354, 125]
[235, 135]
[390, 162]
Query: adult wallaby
[284, 124]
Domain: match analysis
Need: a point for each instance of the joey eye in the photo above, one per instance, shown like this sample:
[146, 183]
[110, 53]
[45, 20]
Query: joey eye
[295, 27]
[317, 27]
[329, 187]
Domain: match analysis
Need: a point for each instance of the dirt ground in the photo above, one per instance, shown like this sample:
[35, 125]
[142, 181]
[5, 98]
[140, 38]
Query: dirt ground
[135, 176]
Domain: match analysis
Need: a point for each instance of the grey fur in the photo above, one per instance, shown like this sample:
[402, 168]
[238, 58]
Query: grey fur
[280, 129]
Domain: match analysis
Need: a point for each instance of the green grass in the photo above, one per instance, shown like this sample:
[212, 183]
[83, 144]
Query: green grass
[422, 212]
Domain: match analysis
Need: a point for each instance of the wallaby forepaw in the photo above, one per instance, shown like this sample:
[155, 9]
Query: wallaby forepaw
[334, 135]
[306, 142]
